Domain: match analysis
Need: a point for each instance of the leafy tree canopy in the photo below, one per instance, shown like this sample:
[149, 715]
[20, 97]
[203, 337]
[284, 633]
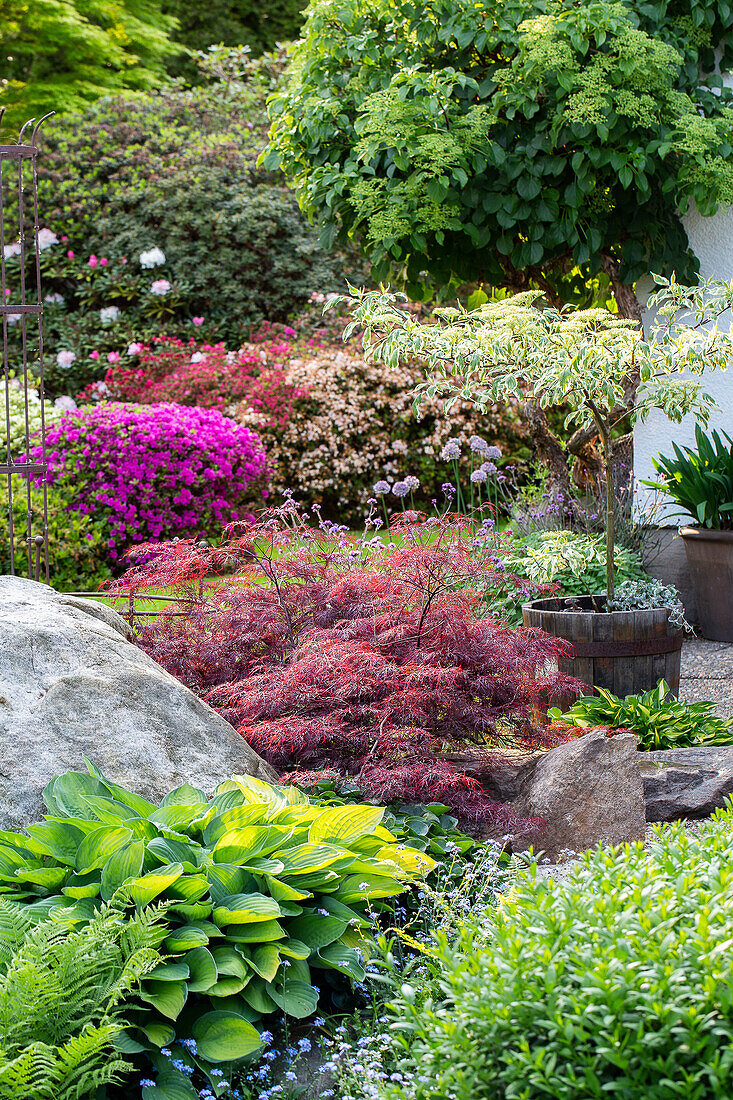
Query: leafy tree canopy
[510, 142]
[57, 55]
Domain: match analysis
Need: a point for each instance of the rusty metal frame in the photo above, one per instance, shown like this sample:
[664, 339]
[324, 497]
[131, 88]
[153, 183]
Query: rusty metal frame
[17, 304]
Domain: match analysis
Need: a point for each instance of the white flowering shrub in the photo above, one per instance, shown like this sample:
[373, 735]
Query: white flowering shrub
[16, 406]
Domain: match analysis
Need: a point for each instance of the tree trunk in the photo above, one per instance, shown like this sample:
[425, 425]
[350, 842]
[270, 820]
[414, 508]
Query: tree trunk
[626, 300]
[550, 451]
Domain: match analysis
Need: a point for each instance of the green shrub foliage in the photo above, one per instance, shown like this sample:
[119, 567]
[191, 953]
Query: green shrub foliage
[474, 140]
[64, 994]
[173, 171]
[262, 887]
[699, 480]
[659, 720]
[613, 983]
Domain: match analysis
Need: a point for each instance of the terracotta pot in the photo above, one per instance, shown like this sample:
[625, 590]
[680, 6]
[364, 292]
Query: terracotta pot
[710, 558]
[626, 652]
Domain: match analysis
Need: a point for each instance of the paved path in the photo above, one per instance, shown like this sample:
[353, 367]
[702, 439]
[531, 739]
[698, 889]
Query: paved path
[707, 673]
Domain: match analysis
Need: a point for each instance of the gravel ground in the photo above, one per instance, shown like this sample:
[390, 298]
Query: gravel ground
[707, 673]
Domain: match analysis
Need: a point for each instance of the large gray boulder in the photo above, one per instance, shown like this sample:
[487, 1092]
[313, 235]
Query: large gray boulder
[686, 782]
[588, 790]
[73, 684]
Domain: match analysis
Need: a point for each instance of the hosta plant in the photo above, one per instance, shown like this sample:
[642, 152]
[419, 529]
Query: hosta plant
[261, 888]
[658, 719]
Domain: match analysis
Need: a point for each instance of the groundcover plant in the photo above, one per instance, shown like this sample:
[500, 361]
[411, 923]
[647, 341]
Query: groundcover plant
[259, 887]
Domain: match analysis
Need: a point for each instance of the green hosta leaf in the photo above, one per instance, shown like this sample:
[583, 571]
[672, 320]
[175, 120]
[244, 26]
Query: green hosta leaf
[82, 886]
[295, 998]
[228, 986]
[294, 949]
[239, 845]
[305, 858]
[265, 961]
[176, 817]
[96, 848]
[51, 878]
[172, 971]
[260, 932]
[186, 937]
[238, 817]
[203, 969]
[170, 1085]
[191, 911]
[159, 1034]
[125, 864]
[343, 959]
[245, 908]
[176, 851]
[284, 891]
[168, 997]
[226, 879]
[136, 802]
[257, 996]
[189, 888]
[111, 812]
[185, 795]
[345, 823]
[316, 930]
[68, 793]
[229, 962]
[361, 887]
[10, 860]
[225, 1036]
[143, 890]
[58, 839]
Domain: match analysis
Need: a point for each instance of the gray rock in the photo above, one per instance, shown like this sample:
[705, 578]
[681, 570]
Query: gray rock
[588, 790]
[72, 684]
[686, 782]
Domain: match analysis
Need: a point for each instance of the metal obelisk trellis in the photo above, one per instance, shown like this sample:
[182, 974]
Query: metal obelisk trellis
[23, 456]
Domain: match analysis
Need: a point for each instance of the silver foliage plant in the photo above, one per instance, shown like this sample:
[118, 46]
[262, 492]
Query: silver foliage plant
[638, 595]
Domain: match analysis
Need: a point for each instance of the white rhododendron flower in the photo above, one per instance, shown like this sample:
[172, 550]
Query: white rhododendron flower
[54, 299]
[160, 286]
[197, 357]
[154, 257]
[65, 359]
[46, 237]
[108, 314]
[11, 250]
[65, 404]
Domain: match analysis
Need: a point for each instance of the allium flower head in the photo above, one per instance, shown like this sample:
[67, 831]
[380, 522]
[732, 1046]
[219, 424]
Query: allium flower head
[160, 286]
[65, 359]
[108, 314]
[493, 452]
[451, 451]
[412, 482]
[154, 257]
[382, 487]
[476, 443]
[489, 468]
[400, 488]
[479, 475]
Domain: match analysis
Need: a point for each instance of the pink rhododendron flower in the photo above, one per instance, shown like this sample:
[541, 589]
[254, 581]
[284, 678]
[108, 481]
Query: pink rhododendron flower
[93, 261]
[160, 286]
[70, 254]
[104, 261]
[197, 320]
[114, 357]
[94, 355]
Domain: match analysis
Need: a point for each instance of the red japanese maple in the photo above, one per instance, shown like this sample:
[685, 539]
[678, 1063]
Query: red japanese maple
[373, 658]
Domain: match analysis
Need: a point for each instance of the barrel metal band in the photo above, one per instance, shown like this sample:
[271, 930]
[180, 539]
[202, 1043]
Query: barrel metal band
[642, 647]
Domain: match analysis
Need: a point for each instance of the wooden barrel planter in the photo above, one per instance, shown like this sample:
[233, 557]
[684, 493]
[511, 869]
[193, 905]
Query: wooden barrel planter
[625, 652]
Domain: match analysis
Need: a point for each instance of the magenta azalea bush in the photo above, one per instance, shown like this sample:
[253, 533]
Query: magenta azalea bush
[155, 471]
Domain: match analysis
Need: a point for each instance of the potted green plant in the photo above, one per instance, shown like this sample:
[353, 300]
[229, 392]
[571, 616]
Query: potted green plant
[602, 367]
[700, 482]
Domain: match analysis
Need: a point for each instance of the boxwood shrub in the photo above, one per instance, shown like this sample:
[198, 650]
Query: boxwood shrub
[615, 983]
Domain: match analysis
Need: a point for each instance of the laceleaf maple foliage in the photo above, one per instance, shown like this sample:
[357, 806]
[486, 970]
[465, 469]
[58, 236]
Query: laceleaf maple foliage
[372, 658]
